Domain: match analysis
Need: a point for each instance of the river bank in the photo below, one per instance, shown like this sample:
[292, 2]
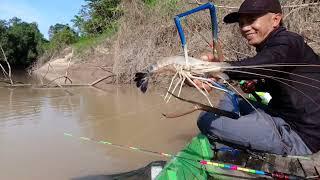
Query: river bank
[73, 70]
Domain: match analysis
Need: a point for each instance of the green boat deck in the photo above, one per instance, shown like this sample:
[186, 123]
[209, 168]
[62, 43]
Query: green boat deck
[186, 164]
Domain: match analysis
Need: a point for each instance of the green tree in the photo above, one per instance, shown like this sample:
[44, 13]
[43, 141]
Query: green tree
[56, 28]
[63, 37]
[97, 16]
[3, 27]
[21, 41]
[78, 22]
[3, 32]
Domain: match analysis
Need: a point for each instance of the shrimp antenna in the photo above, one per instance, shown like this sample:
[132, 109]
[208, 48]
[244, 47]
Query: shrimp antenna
[204, 107]
[277, 79]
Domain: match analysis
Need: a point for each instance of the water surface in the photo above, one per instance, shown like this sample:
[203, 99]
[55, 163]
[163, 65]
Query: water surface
[33, 122]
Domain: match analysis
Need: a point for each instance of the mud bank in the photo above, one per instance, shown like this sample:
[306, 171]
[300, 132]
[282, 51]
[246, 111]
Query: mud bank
[71, 69]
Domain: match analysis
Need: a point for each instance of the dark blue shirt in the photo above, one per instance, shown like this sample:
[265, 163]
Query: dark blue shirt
[295, 93]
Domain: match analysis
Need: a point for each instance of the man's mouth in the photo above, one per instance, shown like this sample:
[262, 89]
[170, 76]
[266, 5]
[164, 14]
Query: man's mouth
[250, 35]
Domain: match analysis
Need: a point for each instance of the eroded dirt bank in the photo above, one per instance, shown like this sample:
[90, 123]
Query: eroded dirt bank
[71, 69]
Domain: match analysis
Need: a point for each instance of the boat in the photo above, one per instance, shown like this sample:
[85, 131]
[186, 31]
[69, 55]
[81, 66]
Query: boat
[199, 161]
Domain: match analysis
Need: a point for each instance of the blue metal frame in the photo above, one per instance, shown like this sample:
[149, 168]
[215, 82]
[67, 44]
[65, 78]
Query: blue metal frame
[214, 23]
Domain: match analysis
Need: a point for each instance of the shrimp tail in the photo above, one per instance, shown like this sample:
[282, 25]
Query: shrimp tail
[142, 79]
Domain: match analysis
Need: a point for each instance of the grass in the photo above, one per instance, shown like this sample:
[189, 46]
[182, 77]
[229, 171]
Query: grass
[150, 2]
[170, 4]
[87, 42]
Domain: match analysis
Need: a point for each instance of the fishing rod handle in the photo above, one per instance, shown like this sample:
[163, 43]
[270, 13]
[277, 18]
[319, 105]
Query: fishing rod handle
[214, 21]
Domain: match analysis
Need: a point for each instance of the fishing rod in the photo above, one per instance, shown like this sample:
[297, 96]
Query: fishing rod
[122, 146]
[199, 106]
[275, 175]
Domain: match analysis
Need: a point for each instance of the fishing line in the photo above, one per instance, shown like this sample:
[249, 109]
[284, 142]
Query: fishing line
[204, 163]
[125, 114]
[129, 113]
[82, 138]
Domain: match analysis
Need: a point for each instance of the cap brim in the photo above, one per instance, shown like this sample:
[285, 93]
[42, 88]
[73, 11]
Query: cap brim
[231, 18]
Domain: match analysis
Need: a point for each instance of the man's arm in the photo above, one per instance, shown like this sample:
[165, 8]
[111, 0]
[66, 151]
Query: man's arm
[270, 55]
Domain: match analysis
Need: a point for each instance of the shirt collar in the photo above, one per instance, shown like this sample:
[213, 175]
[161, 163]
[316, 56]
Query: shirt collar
[270, 36]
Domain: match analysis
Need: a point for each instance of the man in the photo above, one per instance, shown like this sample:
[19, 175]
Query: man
[290, 124]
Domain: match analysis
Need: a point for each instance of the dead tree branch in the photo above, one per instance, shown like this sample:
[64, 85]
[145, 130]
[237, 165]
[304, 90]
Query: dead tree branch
[69, 62]
[66, 77]
[101, 79]
[58, 74]
[296, 8]
[8, 64]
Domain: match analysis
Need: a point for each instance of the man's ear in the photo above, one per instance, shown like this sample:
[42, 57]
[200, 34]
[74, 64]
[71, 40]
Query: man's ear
[276, 19]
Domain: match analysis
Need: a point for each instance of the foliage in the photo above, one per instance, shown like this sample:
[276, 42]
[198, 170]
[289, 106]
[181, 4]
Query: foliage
[3, 27]
[97, 16]
[61, 36]
[21, 41]
[56, 28]
[96, 21]
[173, 4]
[86, 42]
[149, 2]
[169, 4]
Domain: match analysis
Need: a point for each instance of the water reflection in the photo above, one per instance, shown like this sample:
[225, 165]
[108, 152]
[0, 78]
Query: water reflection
[32, 123]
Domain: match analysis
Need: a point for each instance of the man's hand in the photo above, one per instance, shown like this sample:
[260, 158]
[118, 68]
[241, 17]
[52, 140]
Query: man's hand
[202, 85]
[210, 57]
[217, 57]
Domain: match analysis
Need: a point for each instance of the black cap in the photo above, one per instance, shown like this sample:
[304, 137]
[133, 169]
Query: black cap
[254, 7]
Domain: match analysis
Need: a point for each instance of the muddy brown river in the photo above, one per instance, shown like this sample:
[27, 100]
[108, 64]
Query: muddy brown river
[33, 122]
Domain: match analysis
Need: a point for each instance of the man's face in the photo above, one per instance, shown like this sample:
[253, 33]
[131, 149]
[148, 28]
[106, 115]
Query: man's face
[256, 27]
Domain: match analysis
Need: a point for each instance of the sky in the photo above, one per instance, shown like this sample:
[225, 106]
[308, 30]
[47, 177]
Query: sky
[44, 12]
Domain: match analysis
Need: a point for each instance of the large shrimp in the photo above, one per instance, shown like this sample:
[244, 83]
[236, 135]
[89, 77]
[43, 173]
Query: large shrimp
[198, 69]
[193, 69]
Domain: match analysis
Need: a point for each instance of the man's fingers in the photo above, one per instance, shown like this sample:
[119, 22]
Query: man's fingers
[197, 82]
[204, 57]
[207, 57]
[202, 85]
